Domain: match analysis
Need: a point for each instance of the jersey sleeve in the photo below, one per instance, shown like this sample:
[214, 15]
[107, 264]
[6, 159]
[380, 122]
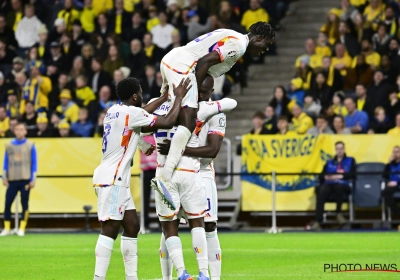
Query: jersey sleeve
[140, 118]
[217, 125]
[231, 49]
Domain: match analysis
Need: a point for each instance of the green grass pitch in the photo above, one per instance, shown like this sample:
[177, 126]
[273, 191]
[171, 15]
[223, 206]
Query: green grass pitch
[244, 255]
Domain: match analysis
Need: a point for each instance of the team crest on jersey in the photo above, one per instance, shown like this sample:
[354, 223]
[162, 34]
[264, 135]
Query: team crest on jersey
[222, 122]
[232, 54]
[144, 114]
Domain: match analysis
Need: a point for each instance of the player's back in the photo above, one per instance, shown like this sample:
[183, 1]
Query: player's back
[122, 126]
[230, 45]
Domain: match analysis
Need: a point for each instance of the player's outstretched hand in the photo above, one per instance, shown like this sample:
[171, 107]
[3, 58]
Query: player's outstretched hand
[183, 87]
[150, 150]
[163, 148]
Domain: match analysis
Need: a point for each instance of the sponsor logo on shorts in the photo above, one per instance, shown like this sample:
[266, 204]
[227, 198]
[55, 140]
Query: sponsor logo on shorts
[198, 250]
[162, 254]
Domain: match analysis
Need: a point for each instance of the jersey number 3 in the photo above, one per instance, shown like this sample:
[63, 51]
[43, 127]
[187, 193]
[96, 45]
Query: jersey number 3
[107, 129]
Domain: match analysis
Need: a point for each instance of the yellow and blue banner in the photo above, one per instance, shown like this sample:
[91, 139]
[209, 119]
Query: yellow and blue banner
[299, 154]
[69, 158]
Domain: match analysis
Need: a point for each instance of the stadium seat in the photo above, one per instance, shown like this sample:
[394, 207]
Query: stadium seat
[332, 198]
[389, 212]
[367, 188]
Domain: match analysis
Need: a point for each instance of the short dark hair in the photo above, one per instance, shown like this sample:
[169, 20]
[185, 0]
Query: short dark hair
[263, 29]
[259, 115]
[30, 102]
[340, 117]
[126, 88]
[282, 118]
[339, 142]
[322, 116]
[21, 123]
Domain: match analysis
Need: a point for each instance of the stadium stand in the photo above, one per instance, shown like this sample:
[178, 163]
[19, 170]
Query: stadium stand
[362, 44]
[84, 47]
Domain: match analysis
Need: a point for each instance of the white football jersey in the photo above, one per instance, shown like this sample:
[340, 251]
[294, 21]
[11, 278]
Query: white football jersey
[122, 125]
[205, 112]
[188, 163]
[229, 44]
[215, 125]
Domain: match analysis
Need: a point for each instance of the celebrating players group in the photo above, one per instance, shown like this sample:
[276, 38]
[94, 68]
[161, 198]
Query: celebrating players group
[188, 129]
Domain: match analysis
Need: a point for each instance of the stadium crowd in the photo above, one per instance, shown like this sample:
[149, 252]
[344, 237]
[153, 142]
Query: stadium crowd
[61, 60]
[348, 79]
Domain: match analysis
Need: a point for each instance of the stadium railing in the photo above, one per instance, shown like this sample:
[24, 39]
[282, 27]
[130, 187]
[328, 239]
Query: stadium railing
[366, 180]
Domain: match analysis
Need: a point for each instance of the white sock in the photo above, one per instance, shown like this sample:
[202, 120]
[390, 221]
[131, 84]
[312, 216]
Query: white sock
[199, 243]
[216, 107]
[129, 253]
[165, 261]
[214, 254]
[174, 246]
[103, 251]
[178, 145]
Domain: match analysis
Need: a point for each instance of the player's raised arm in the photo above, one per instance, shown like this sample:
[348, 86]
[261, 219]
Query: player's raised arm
[204, 64]
[180, 92]
[211, 150]
[151, 107]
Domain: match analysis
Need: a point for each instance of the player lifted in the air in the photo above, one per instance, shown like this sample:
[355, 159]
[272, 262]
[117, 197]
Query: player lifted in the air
[122, 125]
[187, 193]
[210, 136]
[214, 53]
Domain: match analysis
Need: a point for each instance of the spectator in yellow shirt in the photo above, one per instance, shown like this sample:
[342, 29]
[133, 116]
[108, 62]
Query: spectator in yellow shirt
[283, 127]
[88, 17]
[16, 14]
[12, 104]
[358, 3]
[129, 5]
[371, 57]
[331, 28]
[153, 18]
[323, 49]
[69, 14]
[4, 121]
[315, 59]
[301, 123]
[64, 129]
[342, 60]
[36, 88]
[374, 13]
[67, 107]
[337, 104]
[396, 129]
[102, 6]
[254, 14]
[84, 94]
